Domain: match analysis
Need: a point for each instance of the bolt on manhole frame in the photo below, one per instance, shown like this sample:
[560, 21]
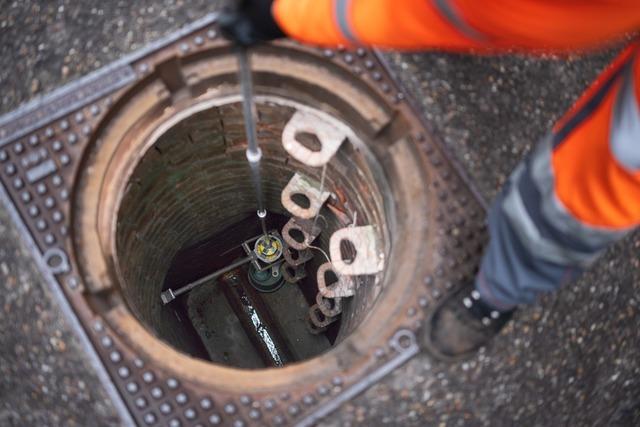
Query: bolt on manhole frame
[42, 146]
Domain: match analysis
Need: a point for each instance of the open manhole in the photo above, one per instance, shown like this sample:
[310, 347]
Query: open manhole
[189, 205]
[133, 182]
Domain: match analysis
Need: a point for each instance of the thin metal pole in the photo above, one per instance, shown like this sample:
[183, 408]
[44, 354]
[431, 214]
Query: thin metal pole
[169, 295]
[254, 154]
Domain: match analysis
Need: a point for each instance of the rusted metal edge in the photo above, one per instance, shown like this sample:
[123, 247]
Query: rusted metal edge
[78, 93]
[64, 305]
[446, 152]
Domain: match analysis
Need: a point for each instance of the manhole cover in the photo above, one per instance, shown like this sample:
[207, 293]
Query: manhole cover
[118, 178]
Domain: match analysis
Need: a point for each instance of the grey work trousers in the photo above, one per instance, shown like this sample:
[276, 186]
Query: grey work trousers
[535, 244]
[574, 195]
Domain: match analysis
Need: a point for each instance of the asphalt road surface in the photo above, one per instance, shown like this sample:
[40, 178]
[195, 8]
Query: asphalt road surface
[570, 360]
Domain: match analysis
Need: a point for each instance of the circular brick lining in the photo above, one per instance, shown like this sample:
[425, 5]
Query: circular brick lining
[195, 181]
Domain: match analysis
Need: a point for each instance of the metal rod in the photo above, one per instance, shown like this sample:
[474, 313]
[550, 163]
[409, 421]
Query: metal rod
[263, 222]
[169, 295]
[254, 154]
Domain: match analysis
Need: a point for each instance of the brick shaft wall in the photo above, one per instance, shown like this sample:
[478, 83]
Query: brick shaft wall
[195, 181]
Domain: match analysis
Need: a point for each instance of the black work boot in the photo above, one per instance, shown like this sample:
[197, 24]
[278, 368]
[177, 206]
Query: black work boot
[463, 323]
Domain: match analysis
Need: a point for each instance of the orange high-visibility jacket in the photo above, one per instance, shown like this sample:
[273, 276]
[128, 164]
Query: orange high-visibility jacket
[459, 24]
[596, 157]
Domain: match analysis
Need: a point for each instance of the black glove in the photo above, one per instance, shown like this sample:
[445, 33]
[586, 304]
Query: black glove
[250, 22]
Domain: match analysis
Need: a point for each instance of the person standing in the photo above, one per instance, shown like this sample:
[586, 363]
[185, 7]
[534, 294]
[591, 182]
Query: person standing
[574, 195]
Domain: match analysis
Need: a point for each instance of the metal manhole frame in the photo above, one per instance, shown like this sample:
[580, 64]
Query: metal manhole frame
[73, 111]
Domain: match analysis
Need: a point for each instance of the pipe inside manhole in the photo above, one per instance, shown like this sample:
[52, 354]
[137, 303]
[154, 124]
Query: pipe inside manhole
[189, 204]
